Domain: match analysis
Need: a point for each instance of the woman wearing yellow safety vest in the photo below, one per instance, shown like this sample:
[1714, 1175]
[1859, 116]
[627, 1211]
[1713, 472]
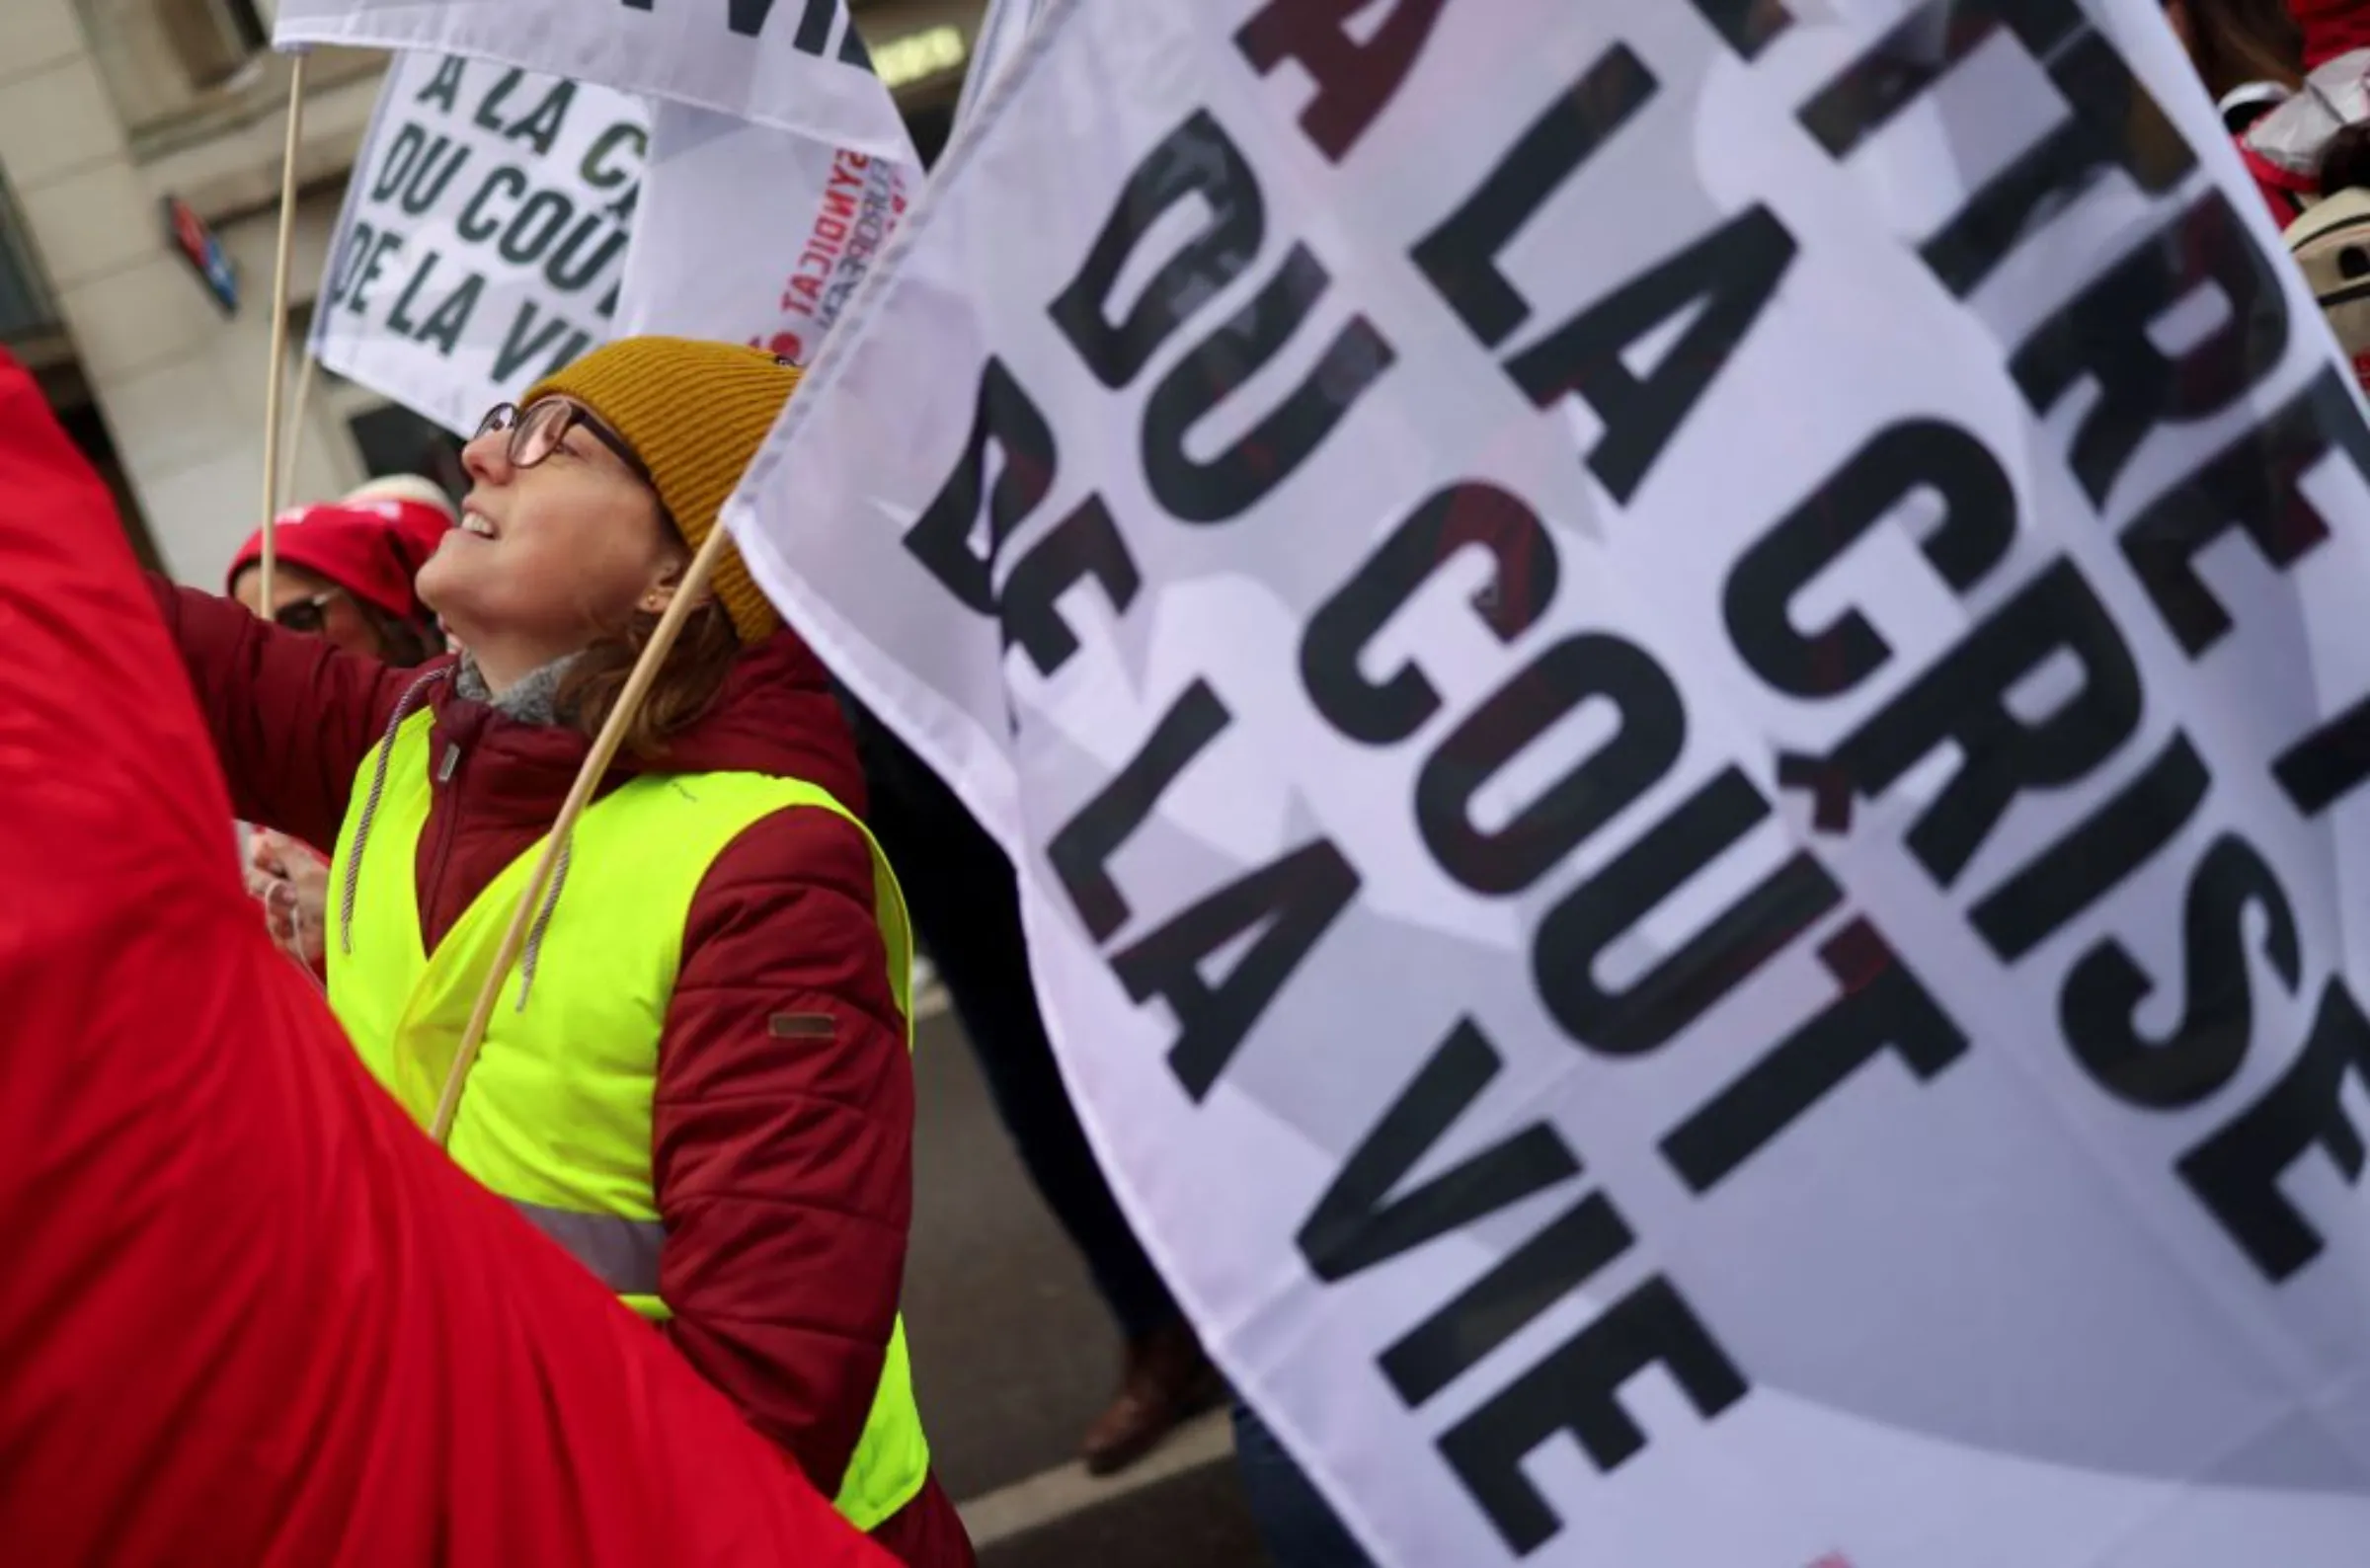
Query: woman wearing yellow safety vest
[697, 1079]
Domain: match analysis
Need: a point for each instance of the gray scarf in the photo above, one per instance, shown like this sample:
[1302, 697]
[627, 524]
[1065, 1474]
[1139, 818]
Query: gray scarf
[533, 700]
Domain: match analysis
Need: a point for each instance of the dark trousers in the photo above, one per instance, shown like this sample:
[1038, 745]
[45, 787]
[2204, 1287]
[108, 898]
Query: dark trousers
[966, 908]
[1296, 1525]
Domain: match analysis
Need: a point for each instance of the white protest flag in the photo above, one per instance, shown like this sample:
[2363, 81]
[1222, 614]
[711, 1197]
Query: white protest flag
[777, 158]
[752, 234]
[1679, 689]
[1002, 30]
[798, 65]
[484, 235]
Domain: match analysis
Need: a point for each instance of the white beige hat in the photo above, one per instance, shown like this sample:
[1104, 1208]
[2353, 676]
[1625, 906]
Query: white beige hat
[2331, 243]
[407, 487]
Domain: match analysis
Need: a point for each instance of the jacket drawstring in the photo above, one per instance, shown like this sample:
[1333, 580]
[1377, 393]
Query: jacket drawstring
[534, 934]
[378, 784]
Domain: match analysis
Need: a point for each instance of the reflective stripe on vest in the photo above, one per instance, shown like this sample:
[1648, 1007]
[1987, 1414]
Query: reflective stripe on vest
[622, 1253]
[556, 1117]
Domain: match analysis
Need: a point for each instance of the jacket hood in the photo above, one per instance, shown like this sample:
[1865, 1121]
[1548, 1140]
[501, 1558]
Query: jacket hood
[777, 715]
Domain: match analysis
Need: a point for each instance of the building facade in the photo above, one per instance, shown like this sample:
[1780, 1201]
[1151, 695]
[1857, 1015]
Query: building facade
[130, 132]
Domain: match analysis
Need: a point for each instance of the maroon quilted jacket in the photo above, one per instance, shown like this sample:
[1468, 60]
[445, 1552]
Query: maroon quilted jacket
[783, 1167]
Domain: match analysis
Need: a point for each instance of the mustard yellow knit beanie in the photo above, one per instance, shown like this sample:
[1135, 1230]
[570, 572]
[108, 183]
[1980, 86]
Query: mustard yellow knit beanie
[695, 413]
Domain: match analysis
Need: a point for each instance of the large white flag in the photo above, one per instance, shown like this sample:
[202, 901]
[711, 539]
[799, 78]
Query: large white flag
[485, 234]
[1680, 690]
[777, 161]
[752, 234]
[798, 65]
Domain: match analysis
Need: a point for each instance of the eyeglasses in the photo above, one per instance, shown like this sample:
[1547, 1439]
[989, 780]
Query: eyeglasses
[536, 433]
[309, 616]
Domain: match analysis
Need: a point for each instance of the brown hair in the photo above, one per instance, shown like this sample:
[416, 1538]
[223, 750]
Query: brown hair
[2237, 42]
[402, 643]
[686, 687]
[2346, 161]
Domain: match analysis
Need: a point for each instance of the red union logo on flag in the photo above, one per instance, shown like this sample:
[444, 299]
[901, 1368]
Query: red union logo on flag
[1833, 1559]
[784, 346]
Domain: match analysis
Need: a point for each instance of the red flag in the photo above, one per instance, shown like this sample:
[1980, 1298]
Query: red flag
[248, 1314]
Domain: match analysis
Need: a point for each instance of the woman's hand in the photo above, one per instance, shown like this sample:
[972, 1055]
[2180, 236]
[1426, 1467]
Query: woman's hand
[293, 884]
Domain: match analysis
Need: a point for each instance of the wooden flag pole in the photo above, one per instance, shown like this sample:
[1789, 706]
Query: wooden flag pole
[279, 330]
[597, 764]
[295, 425]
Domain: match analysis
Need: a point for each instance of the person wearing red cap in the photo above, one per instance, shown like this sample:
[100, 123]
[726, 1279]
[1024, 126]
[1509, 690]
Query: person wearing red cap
[2285, 147]
[343, 570]
[2304, 132]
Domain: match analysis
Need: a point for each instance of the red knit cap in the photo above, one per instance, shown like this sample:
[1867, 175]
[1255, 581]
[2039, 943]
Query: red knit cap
[2331, 28]
[373, 549]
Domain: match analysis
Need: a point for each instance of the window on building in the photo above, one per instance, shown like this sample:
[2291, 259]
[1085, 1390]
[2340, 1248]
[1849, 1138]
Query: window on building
[213, 41]
[183, 65]
[394, 441]
[26, 309]
[162, 59]
[89, 434]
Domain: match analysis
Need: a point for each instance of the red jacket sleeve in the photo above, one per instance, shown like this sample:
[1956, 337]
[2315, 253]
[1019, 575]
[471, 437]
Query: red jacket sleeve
[782, 1138]
[292, 717]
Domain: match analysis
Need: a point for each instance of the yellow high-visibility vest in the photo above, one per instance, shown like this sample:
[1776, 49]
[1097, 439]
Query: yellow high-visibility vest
[557, 1114]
